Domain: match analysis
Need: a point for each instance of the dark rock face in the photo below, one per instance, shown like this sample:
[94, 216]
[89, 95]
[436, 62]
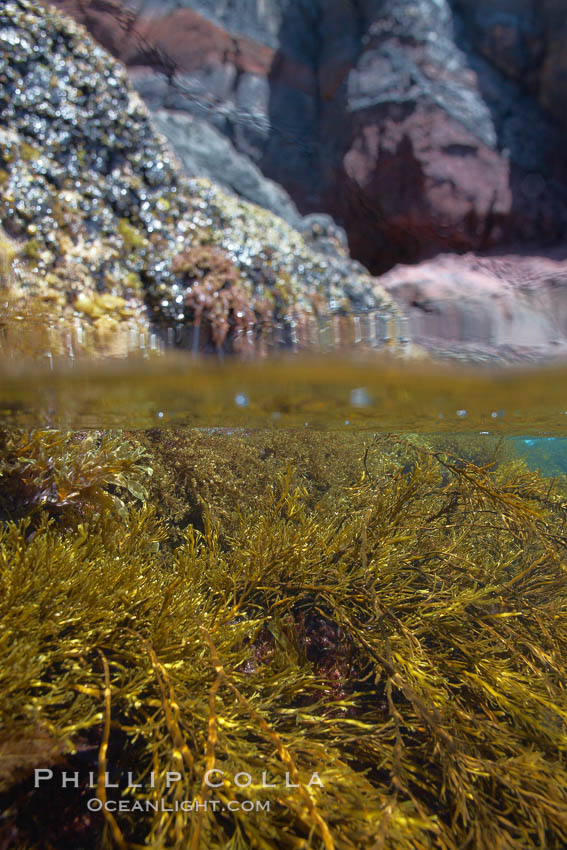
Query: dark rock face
[527, 40]
[440, 146]
[206, 152]
[420, 125]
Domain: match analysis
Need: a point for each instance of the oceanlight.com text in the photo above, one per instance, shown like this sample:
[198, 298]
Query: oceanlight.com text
[96, 805]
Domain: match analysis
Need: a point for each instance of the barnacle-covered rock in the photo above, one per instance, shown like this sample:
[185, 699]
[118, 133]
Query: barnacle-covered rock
[93, 201]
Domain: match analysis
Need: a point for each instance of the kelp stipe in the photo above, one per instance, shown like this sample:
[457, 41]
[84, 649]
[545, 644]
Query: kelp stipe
[400, 635]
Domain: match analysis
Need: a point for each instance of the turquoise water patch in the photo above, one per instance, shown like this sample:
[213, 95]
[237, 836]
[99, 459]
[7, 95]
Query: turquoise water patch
[546, 454]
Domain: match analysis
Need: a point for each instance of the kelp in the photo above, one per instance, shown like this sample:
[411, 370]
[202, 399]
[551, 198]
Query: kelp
[220, 474]
[68, 473]
[481, 449]
[400, 635]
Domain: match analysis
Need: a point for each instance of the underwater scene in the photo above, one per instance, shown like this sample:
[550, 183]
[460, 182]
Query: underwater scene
[282, 637]
[283, 425]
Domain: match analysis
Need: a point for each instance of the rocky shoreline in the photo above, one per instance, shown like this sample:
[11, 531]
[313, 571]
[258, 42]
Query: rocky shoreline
[452, 186]
[103, 234]
[424, 128]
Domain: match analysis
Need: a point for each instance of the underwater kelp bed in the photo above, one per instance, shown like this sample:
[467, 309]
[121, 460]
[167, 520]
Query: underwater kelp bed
[373, 626]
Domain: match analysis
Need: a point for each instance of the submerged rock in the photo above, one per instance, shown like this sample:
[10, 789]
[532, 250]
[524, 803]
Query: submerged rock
[92, 200]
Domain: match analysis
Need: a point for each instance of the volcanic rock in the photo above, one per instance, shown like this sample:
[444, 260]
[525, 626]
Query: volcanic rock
[420, 125]
[527, 41]
[205, 152]
[96, 222]
[485, 308]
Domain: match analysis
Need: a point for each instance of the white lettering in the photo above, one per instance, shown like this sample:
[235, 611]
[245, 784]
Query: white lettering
[247, 780]
[131, 783]
[40, 775]
[172, 776]
[289, 784]
[70, 779]
[108, 783]
[213, 784]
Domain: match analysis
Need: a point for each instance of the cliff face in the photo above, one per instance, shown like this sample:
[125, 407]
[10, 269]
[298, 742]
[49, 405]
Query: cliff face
[420, 125]
[527, 41]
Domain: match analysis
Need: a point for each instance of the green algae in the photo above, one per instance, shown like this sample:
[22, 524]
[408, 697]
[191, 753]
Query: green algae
[29, 152]
[132, 237]
[372, 610]
[8, 253]
[31, 249]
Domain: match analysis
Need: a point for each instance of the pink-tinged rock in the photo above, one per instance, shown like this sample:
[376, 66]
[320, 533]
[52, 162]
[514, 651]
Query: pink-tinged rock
[181, 38]
[384, 114]
[428, 181]
[490, 303]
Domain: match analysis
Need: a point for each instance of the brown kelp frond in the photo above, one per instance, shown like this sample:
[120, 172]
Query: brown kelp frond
[478, 449]
[383, 667]
[199, 472]
[68, 473]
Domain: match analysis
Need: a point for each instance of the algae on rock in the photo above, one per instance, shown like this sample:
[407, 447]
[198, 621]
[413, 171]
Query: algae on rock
[93, 200]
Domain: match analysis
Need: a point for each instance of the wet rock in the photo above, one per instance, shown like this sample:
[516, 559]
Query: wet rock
[439, 145]
[205, 152]
[420, 126]
[527, 41]
[486, 308]
[92, 200]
